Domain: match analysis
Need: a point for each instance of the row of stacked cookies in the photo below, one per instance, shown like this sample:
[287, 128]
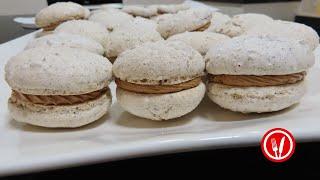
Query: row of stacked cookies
[115, 29]
[125, 32]
[62, 79]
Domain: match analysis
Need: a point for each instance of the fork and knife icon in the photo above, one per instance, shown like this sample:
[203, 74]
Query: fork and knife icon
[278, 151]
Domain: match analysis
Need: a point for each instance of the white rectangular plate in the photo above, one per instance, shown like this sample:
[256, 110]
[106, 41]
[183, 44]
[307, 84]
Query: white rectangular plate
[119, 135]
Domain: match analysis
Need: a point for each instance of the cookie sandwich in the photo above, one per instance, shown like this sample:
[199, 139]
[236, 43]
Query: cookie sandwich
[172, 8]
[160, 80]
[258, 73]
[110, 18]
[58, 87]
[197, 19]
[218, 20]
[142, 11]
[50, 17]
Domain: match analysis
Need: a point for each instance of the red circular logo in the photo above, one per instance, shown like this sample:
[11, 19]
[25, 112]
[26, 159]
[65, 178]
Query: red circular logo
[278, 145]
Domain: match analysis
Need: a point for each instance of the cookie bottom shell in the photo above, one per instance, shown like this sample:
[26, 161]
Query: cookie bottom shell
[70, 116]
[256, 99]
[161, 106]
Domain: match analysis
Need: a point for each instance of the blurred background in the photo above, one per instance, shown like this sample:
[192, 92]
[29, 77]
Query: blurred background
[303, 11]
[279, 9]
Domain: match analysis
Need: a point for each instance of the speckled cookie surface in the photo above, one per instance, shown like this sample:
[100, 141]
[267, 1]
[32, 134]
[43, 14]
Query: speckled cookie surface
[142, 11]
[57, 71]
[187, 20]
[200, 41]
[161, 106]
[93, 30]
[218, 20]
[130, 35]
[172, 8]
[60, 12]
[259, 55]
[162, 62]
[256, 99]
[111, 18]
[287, 29]
[241, 23]
[66, 40]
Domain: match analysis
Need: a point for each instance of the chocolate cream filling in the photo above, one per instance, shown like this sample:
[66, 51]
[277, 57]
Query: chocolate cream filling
[56, 100]
[257, 81]
[157, 89]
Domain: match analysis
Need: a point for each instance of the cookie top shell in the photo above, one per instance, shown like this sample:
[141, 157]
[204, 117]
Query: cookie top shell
[241, 23]
[288, 29]
[187, 20]
[110, 18]
[57, 71]
[143, 11]
[130, 35]
[162, 62]
[259, 55]
[200, 41]
[60, 12]
[93, 30]
[67, 40]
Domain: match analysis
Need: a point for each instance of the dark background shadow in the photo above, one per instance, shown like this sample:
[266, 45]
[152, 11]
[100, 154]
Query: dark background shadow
[215, 164]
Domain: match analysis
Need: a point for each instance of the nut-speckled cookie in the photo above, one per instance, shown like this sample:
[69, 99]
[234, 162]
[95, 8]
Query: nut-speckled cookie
[258, 73]
[57, 13]
[187, 20]
[67, 40]
[93, 30]
[218, 20]
[157, 67]
[172, 8]
[143, 11]
[200, 41]
[58, 87]
[110, 18]
[241, 23]
[130, 35]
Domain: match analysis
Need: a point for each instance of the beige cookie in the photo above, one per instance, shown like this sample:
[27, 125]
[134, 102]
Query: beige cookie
[160, 80]
[93, 30]
[50, 17]
[130, 35]
[143, 11]
[67, 40]
[110, 18]
[172, 8]
[258, 73]
[241, 23]
[297, 31]
[200, 41]
[58, 87]
[218, 20]
[187, 20]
